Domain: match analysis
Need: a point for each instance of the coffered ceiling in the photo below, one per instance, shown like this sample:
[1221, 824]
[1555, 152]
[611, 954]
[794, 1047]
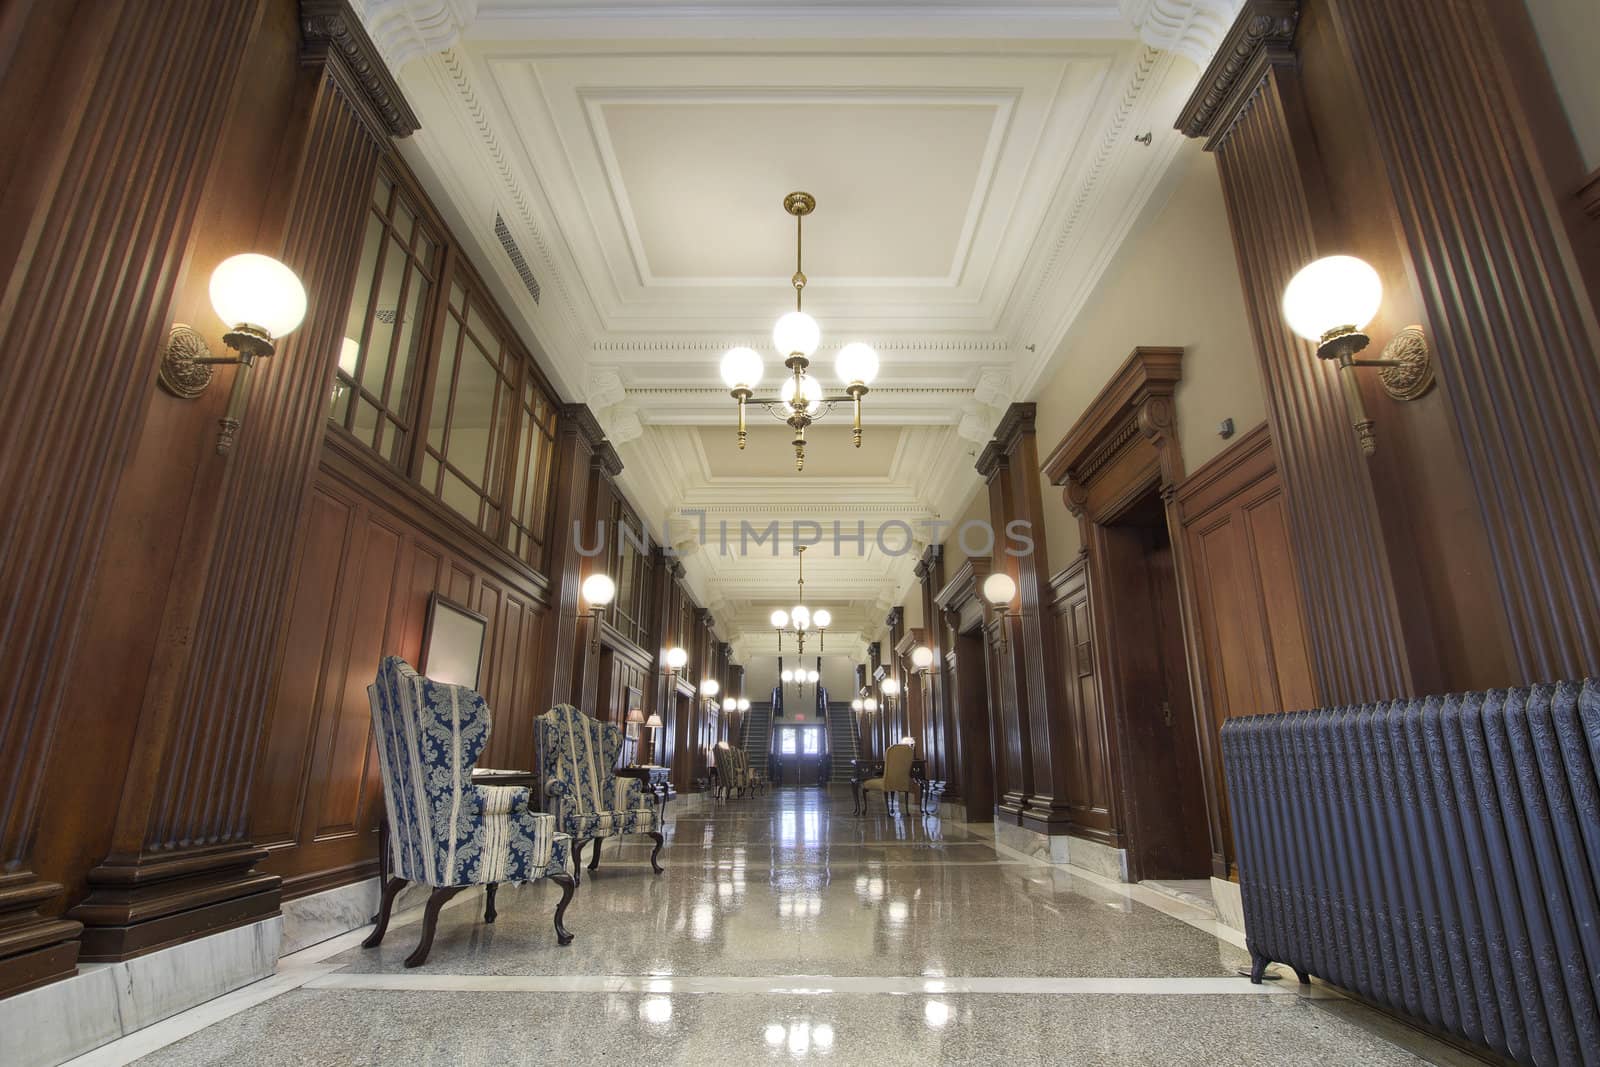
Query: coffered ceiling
[975, 165]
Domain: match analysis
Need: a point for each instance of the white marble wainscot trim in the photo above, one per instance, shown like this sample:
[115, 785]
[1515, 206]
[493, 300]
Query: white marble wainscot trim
[1093, 856]
[310, 919]
[106, 1001]
[1230, 904]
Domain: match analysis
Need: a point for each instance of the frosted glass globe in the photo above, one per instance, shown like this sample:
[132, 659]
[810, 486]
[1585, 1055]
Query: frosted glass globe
[256, 290]
[741, 368]
[801, 616]
[999, 589]
[890, 687]
[796, 334]
[812, 677]
[598, 589]
[869, 704]
[810, 390]
[922, 657]
[856, 363]
[710, 687]
[855, 705]
[676, 658]
[787, 676]
[823, 618]
[780, 619]
[744, 703]
[1332, 292]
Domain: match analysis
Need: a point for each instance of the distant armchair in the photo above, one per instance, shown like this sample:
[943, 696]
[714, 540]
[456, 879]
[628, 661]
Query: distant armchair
[896, 776]
[443, 831]
[577, 758]
[733, 772]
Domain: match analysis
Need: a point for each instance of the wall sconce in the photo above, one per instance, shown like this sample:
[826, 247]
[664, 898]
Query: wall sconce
[635, 722]
[263, 300]
[857, 705]
[674, 659]
[921, 659]
[890, 688]
[597, 591]
[709, 688]
[1331, 301]
[1000, 589]
[869, 705]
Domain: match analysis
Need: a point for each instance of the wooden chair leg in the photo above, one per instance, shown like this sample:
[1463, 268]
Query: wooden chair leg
[430, 922]
[594, 860]
[659, 840]
[391, 889]
[488, 902]
[568, 887]
[577, 862]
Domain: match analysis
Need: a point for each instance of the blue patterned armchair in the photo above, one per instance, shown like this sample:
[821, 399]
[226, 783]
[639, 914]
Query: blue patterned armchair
[442, 830]
[577, 759]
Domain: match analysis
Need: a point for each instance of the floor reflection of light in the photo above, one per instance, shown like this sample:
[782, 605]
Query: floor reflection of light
[898, 911]
[657, 1010]
[822, 1034]
[775, 1034]
[799, 1038]
[937, 1013]
[703, 919]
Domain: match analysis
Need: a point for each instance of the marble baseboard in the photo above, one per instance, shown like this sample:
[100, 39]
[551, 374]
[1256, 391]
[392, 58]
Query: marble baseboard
[106, 1001]
[313, 919]
[1230, 904]
[1093, 856]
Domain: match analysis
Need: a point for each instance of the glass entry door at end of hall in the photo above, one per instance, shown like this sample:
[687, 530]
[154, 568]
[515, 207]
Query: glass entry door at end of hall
[799, 748]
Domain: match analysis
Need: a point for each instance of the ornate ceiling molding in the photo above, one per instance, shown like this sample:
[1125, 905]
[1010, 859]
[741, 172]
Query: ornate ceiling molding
[406, 29]
[1264, 32]
[1193, 29]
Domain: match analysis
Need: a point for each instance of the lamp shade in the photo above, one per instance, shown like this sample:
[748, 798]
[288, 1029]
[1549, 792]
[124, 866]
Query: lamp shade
[653, 722]
[676, 658]
[999, 589]
[256, 290]
[857, 364]
[855, 705]
[635, 715]
[598, 589]
[710, 687]
[1331, 293]
[349, 356]
[780, 619]
[801, 615]
[787, 676]
[890, 687]
[869, 704]
[796, 333]
[741, 368]
[922, 657]
[810, 390]
[812, 677]
[822, 618]
[912, 741]
[744, 703]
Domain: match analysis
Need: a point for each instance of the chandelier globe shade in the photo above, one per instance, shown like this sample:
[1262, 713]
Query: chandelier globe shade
[823, 618]
[813, 677]
[780, 619]
[999, 589]
[1335, 293]
[676, 659]
[810, 391]
[857, 363]
[598, 590]
[787, 676]
[741, 368]
[258, 291]
[800, 615]
[796, 334]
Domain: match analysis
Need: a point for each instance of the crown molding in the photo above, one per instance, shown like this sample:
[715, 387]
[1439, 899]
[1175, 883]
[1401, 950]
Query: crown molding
[329, 29]
[1193, 29]
[1263, 33]
[406, 29]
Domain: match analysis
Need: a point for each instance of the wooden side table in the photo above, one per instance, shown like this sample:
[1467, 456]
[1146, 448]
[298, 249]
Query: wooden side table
[657, 782]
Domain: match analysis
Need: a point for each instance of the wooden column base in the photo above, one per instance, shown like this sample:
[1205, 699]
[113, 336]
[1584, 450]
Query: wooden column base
[1044, 815]
[156, 902]
[1011, 808]
[34, 949]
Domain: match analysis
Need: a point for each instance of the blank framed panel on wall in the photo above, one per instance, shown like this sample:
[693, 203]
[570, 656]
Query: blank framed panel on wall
[452, 643]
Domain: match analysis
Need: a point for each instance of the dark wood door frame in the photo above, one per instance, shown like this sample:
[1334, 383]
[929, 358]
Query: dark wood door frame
[1124, 447]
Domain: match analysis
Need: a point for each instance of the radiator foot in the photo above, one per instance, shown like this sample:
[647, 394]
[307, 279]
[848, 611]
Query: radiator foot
[1258, 967]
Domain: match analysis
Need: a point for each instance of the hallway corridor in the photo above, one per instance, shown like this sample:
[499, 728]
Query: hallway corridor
[787, 929]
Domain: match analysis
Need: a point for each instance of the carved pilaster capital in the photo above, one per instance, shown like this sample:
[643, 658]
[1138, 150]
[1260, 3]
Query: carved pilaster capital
[331, 32]
[1264, 29]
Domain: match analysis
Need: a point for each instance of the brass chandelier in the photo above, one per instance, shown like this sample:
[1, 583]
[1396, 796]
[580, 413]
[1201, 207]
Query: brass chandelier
[800, 401]
[798, 621]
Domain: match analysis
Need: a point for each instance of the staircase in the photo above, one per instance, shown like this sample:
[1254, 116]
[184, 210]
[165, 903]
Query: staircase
[841, 740]
[755, 737]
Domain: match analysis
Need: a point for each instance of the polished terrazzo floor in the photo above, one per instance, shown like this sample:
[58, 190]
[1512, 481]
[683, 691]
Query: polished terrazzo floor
[788, 929]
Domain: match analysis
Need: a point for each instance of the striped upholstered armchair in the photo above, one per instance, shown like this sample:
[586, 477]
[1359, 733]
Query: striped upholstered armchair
[577, 759]
[442, 830]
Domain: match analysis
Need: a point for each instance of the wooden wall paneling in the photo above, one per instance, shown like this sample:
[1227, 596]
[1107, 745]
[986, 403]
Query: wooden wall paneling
[1090, 798]
[973, 769]
[930, 575]
[1251, 107]
[182, 862]
[1013, 738]
[106, 142]
[1251, 630]
[1513, 322]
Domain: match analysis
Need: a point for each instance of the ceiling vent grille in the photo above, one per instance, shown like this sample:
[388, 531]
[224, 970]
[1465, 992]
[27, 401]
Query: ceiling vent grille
[510, 245]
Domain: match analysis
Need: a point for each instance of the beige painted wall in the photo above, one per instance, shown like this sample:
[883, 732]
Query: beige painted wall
[1569, 31]
[1174, 283]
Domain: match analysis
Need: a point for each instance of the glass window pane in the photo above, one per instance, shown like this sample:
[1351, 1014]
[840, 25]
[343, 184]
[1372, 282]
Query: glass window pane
[430, 473]
[356, 321]
[460, 496]
[472, 414]
[813, 742]
[786, 741]
[385, 312]
[341, 402]
[410, 341]
[441, 382]
[366, 423]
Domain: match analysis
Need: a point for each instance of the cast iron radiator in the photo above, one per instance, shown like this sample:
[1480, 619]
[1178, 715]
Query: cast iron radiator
[1439, 857]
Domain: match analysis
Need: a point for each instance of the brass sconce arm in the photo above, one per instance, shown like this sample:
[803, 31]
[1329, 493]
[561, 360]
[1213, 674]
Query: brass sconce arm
[1405, 371]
